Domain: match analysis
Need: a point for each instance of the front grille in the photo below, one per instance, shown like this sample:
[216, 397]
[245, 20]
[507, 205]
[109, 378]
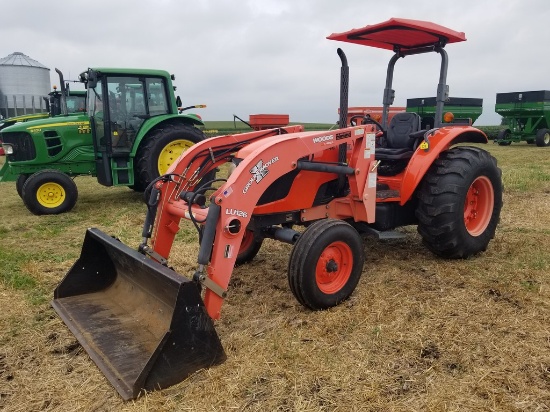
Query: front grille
[23, 146]
[53, 142]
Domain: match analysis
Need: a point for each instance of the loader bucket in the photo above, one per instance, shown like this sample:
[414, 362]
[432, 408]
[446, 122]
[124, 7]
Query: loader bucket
[144, 325]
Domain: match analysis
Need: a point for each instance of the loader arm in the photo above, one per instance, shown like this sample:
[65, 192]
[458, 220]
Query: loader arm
[195, 163]
[233, 203]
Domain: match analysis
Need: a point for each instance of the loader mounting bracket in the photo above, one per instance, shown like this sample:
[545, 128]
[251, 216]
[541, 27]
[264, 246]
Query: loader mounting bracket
[148, 251]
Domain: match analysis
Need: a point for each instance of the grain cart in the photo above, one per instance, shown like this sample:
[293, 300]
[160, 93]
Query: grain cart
[147, 326]
[527, 116]
[457, 109]
[132, 132]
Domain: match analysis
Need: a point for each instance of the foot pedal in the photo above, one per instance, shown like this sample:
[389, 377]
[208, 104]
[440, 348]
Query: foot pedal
[383, 234]
[387, 194]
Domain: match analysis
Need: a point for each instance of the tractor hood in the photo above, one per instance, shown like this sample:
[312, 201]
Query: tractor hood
[25, 118]
[401, 34]
[57, 121]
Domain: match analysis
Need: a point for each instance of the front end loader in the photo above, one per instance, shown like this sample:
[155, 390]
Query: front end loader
[148, 327]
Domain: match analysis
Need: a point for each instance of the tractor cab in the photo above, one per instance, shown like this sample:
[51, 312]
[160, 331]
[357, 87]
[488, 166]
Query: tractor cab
[399, 137]
[118, 105]
[75, 100]
[124, 107]
[53, 102]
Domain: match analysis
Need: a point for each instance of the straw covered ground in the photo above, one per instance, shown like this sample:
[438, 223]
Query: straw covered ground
[419, 333]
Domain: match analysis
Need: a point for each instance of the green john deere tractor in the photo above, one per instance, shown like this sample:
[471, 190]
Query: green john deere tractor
[132, 132]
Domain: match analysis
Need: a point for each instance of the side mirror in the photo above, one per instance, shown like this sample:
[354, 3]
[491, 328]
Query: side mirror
[91, 79]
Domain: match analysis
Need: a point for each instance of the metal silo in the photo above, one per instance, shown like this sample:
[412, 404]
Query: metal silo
[23, 84]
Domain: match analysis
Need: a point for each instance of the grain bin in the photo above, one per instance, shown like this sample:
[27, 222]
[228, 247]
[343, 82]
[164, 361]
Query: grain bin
[23, 84]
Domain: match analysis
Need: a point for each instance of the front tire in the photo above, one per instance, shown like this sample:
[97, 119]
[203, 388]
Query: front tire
[543, 138]
[161, 148]
[21, 179]
[325, 264]
[460, 199]
[49, 192]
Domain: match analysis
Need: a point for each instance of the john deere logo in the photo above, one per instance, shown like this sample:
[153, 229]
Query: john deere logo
[84, 129]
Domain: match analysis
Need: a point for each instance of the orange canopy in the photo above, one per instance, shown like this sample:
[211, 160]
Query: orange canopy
[401, 34]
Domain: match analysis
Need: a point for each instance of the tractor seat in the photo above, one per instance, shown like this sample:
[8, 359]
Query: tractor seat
[401, 137]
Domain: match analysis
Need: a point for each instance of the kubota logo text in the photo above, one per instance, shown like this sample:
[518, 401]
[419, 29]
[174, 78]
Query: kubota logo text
[259, 172]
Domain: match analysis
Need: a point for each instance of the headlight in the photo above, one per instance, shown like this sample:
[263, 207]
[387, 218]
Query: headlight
[8, 148]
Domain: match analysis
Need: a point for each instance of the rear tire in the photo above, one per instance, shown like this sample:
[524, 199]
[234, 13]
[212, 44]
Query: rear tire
[543, 138]
[325, 264]
[460, 199]
[21, 179]
[161, 148]
[49, 192]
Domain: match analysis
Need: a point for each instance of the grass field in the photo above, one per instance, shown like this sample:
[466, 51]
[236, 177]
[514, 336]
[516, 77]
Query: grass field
[419, 334]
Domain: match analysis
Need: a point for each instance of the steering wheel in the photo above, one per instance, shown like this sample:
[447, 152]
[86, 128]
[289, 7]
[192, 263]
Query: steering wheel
[366, 119]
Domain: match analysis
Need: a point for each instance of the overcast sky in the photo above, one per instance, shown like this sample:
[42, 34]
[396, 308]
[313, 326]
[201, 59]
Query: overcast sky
[272, 56]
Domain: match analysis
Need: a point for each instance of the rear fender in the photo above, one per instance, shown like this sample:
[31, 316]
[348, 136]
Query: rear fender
[441, 140]
[155, 121]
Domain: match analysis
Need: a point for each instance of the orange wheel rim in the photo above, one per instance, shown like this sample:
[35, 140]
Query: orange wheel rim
[478, 206]
[248, 238]
[333, 268]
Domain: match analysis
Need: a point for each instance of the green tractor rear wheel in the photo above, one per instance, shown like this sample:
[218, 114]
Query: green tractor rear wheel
[543, 138]
[49, 192]
[161, 148]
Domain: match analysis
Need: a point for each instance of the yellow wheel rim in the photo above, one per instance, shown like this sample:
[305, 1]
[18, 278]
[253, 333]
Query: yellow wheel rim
[170, 153]
[50, 195]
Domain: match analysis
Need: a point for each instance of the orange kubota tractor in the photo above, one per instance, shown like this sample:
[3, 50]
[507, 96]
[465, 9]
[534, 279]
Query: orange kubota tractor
[148, 327]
